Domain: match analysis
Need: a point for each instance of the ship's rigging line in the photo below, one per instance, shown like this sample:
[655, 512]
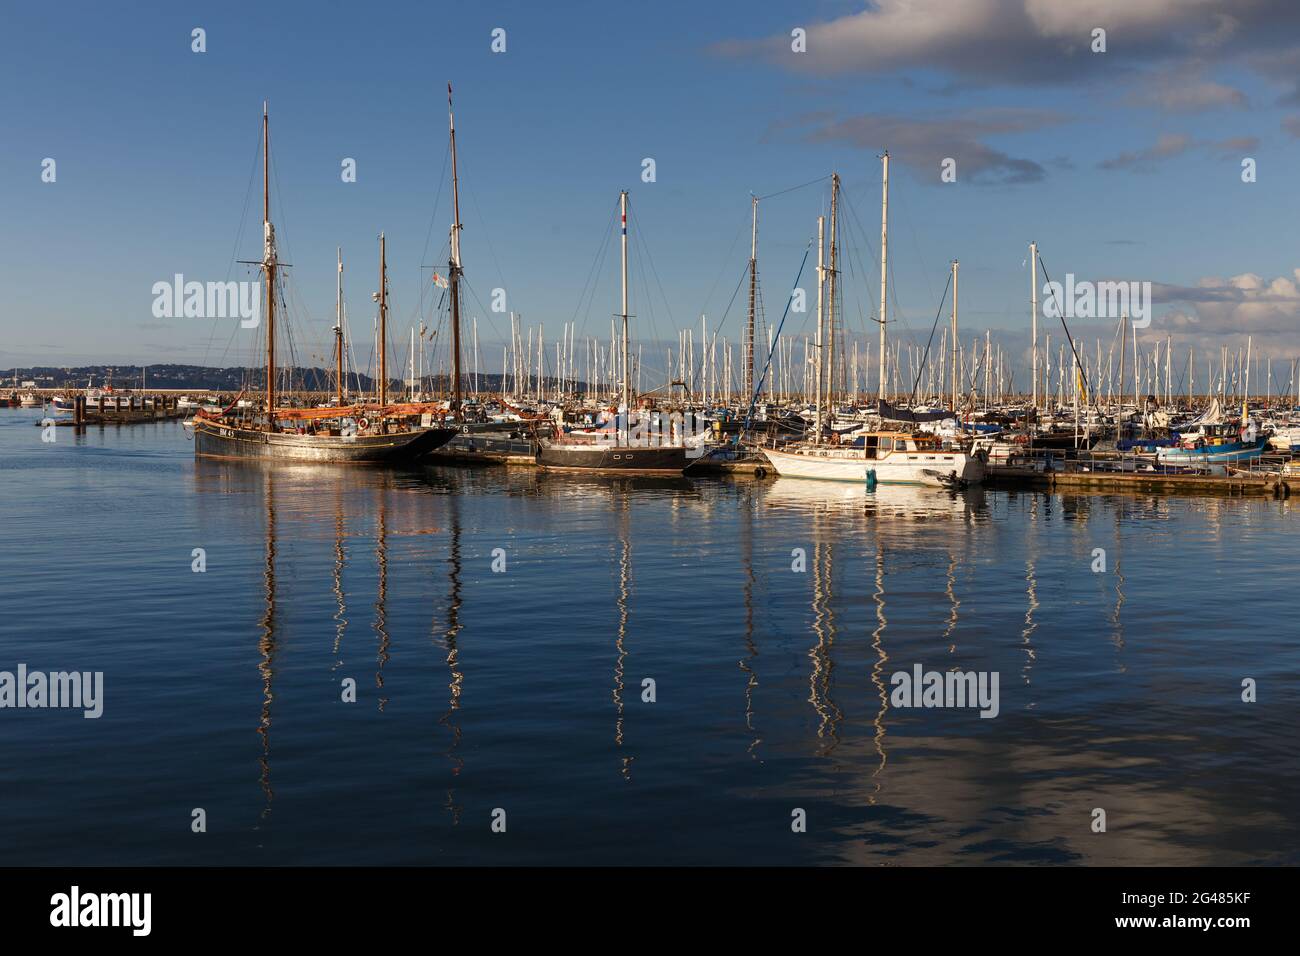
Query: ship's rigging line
[1119, 326]
[645, 269]
[641, 274]
[1079, 365]
[597, 264]
[926, 357]
[871, 272]
[758, 388]
[848, 297]
[643, 254]
[283, 286]
[902, 328]
[487, 234]
[718, 327]
[744, 224]
[972, 390]
[283, 231]
[438, 318]
[782, 192]
[234, 253]
[868, 273]
[487, 314]
[902, 217]
[437, 204]
[438, 306]
[590, 285]
[438, 325]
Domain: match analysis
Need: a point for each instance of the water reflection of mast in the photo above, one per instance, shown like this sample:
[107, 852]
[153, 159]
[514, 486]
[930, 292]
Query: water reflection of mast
[1117, 623]
[453, 653]
[624, 588]
[747, 560]
[381, 600]
[340, 558]
[878, 668]
[1031, 592]
[266, 645]
[820, 680]
[953, 602]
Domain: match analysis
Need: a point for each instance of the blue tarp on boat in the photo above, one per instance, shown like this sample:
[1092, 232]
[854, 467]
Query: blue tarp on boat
[1128, 444]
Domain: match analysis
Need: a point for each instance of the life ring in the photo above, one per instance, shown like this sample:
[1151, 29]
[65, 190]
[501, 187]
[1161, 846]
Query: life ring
[363, 423]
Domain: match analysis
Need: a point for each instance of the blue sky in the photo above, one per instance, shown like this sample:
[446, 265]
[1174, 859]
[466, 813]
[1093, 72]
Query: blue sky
[1122, 165]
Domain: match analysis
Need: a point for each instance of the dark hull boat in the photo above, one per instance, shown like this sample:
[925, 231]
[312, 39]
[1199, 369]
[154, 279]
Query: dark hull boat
[560, 456]
[359, 433]
[618, 453]
[220, 440]
[497, 445]
[1064, 440]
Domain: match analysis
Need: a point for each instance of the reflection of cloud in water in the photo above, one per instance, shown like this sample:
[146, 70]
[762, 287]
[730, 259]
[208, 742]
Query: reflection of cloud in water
[913, 502]
[975, 800]
[975, 580]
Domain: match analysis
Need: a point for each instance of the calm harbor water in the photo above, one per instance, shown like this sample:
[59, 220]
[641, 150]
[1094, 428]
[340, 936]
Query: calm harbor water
[523, 689]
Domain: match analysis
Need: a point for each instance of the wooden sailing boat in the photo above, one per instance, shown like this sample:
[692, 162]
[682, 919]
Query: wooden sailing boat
[362, 433]
[621, 451]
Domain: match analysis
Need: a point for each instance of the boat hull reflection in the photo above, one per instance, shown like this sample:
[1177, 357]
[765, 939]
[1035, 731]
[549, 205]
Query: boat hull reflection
[220, 440]
[900, 501]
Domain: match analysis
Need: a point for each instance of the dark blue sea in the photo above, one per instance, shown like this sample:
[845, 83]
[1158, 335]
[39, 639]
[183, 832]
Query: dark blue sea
[519, 695]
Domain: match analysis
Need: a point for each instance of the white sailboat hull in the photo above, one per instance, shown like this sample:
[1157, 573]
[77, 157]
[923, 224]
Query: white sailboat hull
[896, 468]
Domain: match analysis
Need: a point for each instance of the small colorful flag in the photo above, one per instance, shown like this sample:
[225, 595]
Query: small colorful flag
[440, 281]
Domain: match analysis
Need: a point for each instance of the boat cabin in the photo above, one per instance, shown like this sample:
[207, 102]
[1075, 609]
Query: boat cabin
[882, 444]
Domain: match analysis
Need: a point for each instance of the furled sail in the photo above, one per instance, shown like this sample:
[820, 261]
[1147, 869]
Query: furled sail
[894, 413]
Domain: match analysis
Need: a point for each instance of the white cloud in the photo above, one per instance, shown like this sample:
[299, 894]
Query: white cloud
[1186, 91]
[1171, 145]
[1034, 40]
[923, 142]
[1221, 311]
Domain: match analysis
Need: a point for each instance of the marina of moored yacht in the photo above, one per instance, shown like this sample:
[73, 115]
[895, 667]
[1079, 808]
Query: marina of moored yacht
[944, 414]
[725, 437]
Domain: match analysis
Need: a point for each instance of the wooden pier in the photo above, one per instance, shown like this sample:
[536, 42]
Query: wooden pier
[120, 410]
[487, 449]
[1231, 486]
[754, 467]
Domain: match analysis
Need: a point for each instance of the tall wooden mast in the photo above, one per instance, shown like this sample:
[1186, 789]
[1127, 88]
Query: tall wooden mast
[1123, 344]
[831, 273]
[753, 296]
[338, 329]
[627, 374]
[268, 268]
[453, 269]
[821, 309]
[956, 353]
[383, 321]
[884, 265]
[1033, 318]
